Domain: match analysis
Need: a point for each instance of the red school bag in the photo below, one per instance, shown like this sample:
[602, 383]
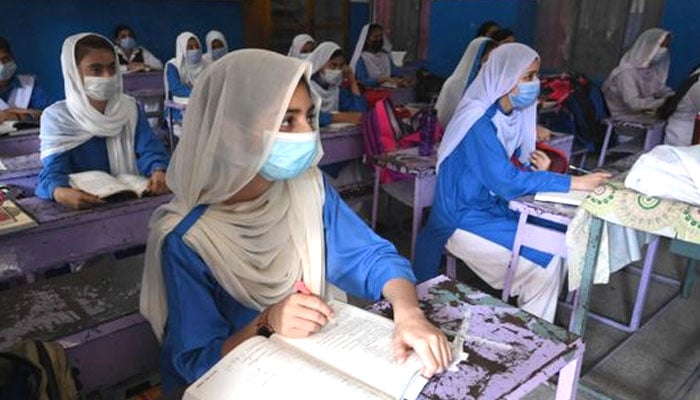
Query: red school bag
[560, 163]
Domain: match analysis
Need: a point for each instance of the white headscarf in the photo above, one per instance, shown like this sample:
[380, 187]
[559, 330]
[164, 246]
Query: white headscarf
[376, 64]
[68, 124]
[257, 249]
[639, 56]
[456, 84]
[210, 38]
[298, 43]
[188, 72]
[319, 58]
[497, 77]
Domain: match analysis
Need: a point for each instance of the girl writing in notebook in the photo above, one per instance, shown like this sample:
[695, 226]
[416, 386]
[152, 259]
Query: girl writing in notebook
[252, 217]
[21, 97]
[97, 126]
[495, 121]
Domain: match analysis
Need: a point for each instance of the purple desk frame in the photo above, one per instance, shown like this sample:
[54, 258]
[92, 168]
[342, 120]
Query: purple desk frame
[22, 171]
[19, 143]
[539, 349]
[65, 235]
[343, 144]
[650, 127]
[137, 81]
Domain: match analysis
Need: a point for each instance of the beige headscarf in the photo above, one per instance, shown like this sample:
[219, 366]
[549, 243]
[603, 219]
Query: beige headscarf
[256, 250]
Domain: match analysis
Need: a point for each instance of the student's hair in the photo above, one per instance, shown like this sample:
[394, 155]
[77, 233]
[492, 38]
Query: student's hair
[488, 47]
[485, 28]
[374, 27]
[337, 53]
[123, 27]
[501, 34]
[5, 45]
[90, 43]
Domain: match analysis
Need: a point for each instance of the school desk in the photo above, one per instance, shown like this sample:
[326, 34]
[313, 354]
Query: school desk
[148, 88]
[64, 235]
[646, 131]
[19, 143]
[343, 143]
[22, 172]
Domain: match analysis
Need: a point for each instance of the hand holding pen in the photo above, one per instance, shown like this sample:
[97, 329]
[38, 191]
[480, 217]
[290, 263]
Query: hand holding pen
[300, 314]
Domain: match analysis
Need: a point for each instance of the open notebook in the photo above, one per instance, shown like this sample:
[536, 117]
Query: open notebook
[350, 358]
[13, 219]
[572, 197]
[106, 186]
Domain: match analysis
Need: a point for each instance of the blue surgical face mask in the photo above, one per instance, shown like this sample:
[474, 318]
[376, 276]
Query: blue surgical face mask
[218, 53]
[127, 43]
[660, 55]
[527, 94]
[7, 70]
[193, 56]
[291, 155]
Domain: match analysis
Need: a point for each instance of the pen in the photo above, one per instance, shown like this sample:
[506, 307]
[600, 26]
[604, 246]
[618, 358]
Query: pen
[300, 287]
[581, 170]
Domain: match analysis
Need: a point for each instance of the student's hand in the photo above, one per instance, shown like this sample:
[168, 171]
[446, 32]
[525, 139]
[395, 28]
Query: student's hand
[299, 315]
[348, 73]
[19, 114]
[156, 184]
[136, 67]
[591, 181]
[540, 161]
[76, 199]
[543, 133]
[413, 331]
[350, 117]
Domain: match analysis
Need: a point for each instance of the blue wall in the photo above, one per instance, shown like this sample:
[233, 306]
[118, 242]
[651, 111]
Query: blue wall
[359, 17]
[681, 18]
[453, 24]
[36, 28]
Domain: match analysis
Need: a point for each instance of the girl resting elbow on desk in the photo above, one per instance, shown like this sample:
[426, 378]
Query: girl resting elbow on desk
[494, 122]
[21, 97]
[97, 126]
[253, 218]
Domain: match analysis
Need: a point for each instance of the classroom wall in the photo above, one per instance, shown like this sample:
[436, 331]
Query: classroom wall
[453, 24]
[37, 29]
[359, 17]
[680, 17]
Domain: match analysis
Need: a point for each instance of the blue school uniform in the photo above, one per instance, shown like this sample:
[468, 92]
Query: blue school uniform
[474, 185]
[92, 155]
[38, 99]
[363, 76]
[176, 88]
[202, 315]
[347, 101]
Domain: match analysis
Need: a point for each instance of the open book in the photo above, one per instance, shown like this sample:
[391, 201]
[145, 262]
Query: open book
[572, 197]
[104, 185]
[350, 358]
[13, 219]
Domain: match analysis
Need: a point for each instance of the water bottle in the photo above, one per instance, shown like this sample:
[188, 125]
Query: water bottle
[427, 131]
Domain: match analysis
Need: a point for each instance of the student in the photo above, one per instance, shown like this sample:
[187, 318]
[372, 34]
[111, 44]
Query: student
[487, 29]
[329, 68]
[372, 61]
[495, 121]
[639, 81]
[96, 127]
[503, 36]
[681, 109]
[254, 217]
[217, 46]
[182, 71]
[21, 97]
[302, 46]
[132, 57]
[474, 57]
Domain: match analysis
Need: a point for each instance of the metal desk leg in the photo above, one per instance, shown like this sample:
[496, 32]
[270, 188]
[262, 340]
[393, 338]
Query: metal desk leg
[606, 143]
[375, 196]
[644, 284]
[567, 383]
[582, 301]
[417, 212]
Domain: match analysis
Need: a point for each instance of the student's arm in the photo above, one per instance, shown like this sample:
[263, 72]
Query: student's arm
[150, 153]
[629, 91]
[348, 101]
[150, 60]
[486, 156]
[54, 174]
[363, 76]
[175, 85]
[694, 97]
[325, 118]
[39, 99]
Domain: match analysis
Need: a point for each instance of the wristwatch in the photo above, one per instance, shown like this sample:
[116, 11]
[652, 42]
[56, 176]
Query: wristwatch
[263, 327]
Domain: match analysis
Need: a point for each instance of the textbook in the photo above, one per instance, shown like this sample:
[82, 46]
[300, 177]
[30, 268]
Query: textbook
[572, 197]
[13, 219]
[350, 358]
[106, 186]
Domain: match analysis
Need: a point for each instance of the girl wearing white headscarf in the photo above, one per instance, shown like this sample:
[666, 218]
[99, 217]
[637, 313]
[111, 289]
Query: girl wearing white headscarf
[182, 71]
[302, 46]
[495, 122]
[638, 83]
[372, 61]
[463, 75]
[328, 70]
[251, 217]
[217, 46]
[681, 111]
[97, 126]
